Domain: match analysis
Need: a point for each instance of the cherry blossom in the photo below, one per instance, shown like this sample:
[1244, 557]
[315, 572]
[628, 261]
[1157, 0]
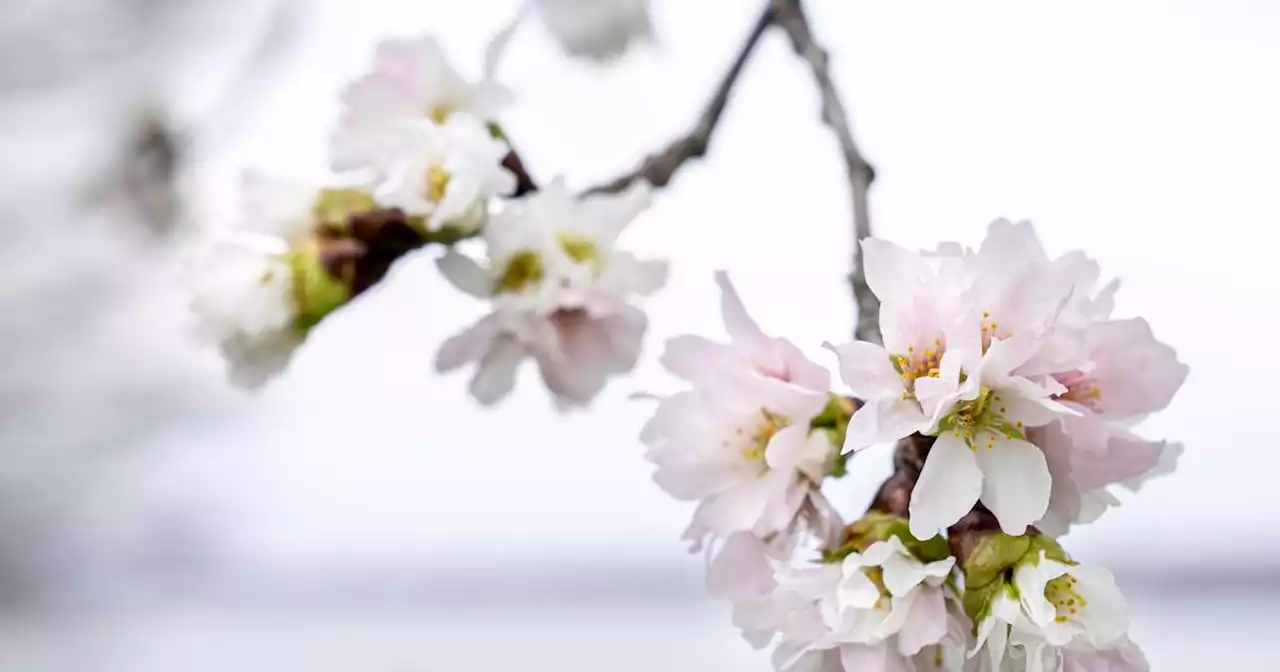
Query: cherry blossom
[260, 286]
[879, 609]
[560, 291]
[1057, 616]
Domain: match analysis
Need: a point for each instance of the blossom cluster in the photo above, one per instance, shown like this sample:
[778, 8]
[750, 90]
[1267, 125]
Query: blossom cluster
[1007, 365]
[421, 162]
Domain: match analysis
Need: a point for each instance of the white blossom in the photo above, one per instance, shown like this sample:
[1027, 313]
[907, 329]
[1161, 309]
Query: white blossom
[1058, 617]
[412, 80]
[879, 610]
[596, 29]
[740, 444]
[560, 291]
[446, 173]
[244, 296]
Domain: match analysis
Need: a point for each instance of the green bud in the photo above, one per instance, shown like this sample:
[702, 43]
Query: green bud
[315, 291]
[334, 207]
[990, 567]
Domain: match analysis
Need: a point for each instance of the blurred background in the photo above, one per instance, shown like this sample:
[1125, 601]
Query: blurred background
[362, 513]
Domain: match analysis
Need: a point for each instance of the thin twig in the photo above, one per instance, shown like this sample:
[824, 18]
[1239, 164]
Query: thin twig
[789, 15]
[658, 169]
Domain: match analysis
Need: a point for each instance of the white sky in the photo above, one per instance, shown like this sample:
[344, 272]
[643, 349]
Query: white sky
[1143, 132]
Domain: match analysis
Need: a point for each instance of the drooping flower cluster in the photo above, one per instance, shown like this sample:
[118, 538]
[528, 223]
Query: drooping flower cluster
[422, 160]
[1006, 366]
[1010, 358]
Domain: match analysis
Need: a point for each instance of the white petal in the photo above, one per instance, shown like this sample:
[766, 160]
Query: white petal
[741, 569]
[1015, 483]
[464, 273]
[694, 358]
[738, 508]
[790, 449]
[467, 346]
[496, 373]
[871, 658]
[925, 623]
[902, 574]
[883, 421]
[892, 271]
[857, 591]
[867, 370]
[1106, 614]
[948, 486]
[737, 322]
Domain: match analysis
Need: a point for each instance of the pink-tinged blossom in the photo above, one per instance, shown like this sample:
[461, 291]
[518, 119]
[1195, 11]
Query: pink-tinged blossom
[412, 80]
[1128, 375]
[742, 449]
[561, 293]
[698, 359]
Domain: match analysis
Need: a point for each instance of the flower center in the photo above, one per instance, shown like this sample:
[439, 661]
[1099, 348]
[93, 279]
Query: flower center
[914, 365]
[1081, 388]
[991, 329]
[758, 440]
[981, 418]
[437, 183]
[579, 248]
[876, 574]
[439, 112]
[523, 269]
[1062, 594]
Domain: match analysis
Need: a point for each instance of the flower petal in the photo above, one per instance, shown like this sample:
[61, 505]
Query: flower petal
[867, 370]
[464, 273]
[925, 623]
[741, 569]
[871, 658]
[948, 486]
[1016, 482]
[1106, 614]
[496, 373]
[736, 320]
[882, 421]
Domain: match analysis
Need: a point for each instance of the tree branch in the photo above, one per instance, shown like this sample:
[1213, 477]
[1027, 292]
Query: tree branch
[658, 169]
[789, 15]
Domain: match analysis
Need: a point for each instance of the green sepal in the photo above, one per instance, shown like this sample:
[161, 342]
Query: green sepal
[877, 526]
[316, 293]
[991, 556]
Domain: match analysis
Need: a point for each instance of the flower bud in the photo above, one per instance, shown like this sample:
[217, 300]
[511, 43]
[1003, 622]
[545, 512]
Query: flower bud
[316, 292]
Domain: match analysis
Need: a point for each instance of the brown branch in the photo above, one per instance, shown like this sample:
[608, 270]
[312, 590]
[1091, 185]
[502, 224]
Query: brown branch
[658, 169]
[790, 16]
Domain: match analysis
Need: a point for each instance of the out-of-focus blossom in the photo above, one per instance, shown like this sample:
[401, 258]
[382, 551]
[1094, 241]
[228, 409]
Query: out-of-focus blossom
[411, 80]
[259, 288]
[596, 29]
[561, 293]
[446, 174]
